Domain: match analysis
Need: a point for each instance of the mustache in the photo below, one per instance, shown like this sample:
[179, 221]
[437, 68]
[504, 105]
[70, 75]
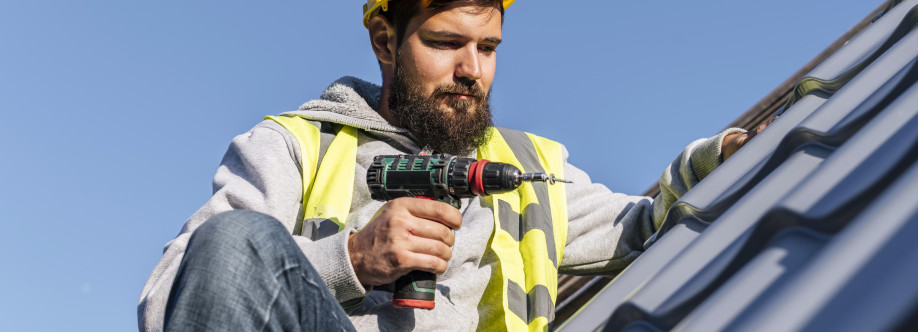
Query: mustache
[471, 90]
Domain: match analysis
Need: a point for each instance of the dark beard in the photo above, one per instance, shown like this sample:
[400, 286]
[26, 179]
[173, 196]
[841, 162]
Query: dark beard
[457, 132]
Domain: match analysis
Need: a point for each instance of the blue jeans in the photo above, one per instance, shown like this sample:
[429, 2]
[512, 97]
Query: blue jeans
[242, 271]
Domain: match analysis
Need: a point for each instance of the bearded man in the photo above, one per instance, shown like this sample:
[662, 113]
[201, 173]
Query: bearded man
[236, 266]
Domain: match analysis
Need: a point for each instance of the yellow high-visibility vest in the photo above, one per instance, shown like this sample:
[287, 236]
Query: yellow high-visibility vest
[530, 223]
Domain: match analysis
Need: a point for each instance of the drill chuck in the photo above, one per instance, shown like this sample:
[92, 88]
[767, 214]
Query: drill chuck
[489, 178]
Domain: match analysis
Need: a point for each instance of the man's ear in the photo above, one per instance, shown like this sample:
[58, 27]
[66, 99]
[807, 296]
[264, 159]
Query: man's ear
[382, 38]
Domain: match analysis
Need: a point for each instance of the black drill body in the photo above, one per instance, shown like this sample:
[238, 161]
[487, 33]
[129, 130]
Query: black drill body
[440, 177]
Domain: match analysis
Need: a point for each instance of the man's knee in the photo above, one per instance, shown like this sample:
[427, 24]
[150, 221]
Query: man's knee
[235, 228]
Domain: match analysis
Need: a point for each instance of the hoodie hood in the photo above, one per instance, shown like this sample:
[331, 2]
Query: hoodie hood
[349, 101]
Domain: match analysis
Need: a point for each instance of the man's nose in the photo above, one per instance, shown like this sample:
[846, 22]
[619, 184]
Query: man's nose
[468, 65]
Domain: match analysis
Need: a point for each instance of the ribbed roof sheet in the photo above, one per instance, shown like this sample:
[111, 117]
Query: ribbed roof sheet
[810, 226]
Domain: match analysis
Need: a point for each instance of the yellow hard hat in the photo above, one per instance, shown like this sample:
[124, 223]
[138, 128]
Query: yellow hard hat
[372, 5]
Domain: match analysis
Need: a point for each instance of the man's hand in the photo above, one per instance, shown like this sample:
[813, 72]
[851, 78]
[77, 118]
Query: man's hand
[734, 142]
[406, 234]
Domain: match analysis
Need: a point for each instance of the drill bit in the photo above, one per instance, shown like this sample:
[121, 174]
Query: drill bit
[542, 177]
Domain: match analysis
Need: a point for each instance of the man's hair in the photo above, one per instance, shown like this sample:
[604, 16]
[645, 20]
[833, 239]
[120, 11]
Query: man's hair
[402, 11]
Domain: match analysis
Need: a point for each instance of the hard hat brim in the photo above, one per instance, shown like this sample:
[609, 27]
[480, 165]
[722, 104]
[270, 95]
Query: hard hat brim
[370, 8]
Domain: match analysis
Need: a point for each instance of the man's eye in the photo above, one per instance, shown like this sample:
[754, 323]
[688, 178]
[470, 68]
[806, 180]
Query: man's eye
[443, 44]
[487, 49]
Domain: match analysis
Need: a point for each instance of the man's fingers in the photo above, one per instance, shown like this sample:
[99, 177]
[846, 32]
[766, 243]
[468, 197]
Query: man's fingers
[752, 133]
[433, 210]
[423, 262]
[431, 247]
[431, 230]
[745, 137]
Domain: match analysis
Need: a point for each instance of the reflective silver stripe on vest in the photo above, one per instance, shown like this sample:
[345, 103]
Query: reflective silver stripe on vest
[534, 216]
[319, 228]
[509, 220]
[327, 134]
[532, 305]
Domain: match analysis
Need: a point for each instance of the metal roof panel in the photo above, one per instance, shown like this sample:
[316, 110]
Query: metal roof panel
[807, 227]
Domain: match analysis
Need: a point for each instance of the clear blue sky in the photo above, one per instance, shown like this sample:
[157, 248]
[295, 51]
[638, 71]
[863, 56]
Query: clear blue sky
[115, 114]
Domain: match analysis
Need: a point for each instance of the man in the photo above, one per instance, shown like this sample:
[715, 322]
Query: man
[242, 269]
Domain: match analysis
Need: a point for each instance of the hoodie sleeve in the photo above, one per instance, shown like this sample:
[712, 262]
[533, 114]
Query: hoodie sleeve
[260, 171]
[607, 230]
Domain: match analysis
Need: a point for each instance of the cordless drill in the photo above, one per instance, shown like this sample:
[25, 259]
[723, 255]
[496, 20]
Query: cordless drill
[443, 178]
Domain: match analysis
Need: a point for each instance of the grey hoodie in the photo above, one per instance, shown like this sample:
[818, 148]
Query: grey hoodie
[261, 172]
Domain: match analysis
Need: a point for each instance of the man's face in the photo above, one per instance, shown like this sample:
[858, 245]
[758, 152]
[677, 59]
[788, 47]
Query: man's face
[443, 74]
